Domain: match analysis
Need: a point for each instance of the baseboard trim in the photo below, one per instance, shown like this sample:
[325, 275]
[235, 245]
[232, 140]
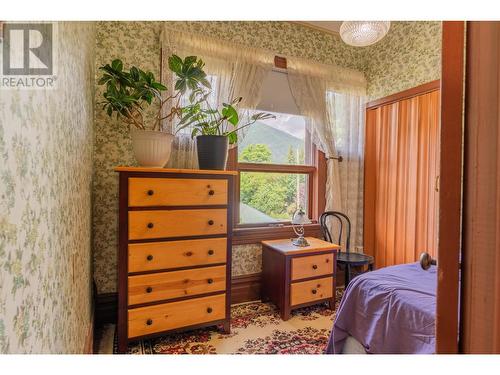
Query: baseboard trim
[106, 308]
[244, 288]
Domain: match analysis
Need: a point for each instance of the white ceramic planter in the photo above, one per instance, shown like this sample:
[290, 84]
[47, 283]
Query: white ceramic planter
[151, 148]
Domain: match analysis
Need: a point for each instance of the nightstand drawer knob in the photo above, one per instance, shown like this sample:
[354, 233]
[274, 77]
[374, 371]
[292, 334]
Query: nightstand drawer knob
[209, 310]
[150, 192]
[314, 291]
[315, 267]
[189, 253]
[210, 222]
[149, 289]
[149, 257]
[211, 192]
[149, 322]
[150, 225]
[210, 252]
[210, 281]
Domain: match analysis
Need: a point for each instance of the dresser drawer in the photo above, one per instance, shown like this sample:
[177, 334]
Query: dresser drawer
[153, 256]
[312, 290]
[147, 192]
[167, 316]
[176, 223]
[312, 266]
[169, 285]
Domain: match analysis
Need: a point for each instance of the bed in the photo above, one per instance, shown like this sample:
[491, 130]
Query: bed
[390, 310]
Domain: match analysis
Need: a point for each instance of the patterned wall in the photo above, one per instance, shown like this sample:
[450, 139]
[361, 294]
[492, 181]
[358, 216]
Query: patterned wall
[408, 56]
[138, 43]
[400, 61]
[45, 205]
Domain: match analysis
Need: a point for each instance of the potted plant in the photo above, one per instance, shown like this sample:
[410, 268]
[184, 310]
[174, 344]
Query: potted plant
[129, 93]
[214, 128]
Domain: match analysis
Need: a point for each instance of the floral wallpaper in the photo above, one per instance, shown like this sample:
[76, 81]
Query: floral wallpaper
[45, 204]
[137, 43]
[58, 190]
[408, 56]
[247, 259]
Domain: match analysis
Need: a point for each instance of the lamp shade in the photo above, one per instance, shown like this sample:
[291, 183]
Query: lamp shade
[363, 33]
[300, 217]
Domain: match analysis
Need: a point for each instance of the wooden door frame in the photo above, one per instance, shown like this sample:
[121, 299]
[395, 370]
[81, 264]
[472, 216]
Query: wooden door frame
[450, 186]
[480, 262]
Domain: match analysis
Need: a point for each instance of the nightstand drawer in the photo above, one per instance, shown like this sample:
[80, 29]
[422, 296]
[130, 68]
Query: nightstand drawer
[166, 316]
[176, 223]
[153, 256]
[312, 266]
[147, 192]
[312, 290]
[169, 285]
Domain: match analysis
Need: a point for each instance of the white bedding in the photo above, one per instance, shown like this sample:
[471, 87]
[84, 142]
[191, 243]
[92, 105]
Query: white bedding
[353, 346]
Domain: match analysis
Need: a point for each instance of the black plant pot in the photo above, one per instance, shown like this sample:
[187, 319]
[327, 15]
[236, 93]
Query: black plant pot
[212, 151]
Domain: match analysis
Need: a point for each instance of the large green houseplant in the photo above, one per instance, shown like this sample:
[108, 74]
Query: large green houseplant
[214, 128]
[129, 93]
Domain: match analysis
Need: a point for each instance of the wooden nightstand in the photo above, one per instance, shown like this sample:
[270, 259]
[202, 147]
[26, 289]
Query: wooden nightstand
[294, 277]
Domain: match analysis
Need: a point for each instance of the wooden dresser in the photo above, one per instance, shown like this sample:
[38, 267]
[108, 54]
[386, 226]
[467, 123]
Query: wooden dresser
[174, 256]
[294, 277]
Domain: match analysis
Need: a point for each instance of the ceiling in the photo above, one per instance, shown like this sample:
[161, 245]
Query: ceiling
[328, 26]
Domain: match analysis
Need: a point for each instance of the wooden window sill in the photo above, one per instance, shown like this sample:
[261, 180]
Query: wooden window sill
[245, 236]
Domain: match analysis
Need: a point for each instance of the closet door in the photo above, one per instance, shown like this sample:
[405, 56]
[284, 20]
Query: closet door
[401, 172]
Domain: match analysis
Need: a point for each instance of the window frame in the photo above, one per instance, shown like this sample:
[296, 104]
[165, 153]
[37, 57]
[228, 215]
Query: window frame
[255, 232]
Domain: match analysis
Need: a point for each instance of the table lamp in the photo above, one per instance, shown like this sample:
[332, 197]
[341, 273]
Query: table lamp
[300, 218]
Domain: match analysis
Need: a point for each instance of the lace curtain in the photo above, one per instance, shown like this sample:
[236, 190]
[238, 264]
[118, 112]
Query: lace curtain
[332, 99]
[232, 70]
[347, 113]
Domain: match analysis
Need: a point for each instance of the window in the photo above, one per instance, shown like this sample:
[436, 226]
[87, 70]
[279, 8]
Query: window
[275, 164]
[278, 163]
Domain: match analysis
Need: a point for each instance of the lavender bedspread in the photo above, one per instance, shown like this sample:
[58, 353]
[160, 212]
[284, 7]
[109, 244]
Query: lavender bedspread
[390, 310]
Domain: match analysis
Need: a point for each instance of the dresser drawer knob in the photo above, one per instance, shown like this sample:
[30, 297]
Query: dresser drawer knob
[149, 322]
[149, 289]
[150, 225]
[315, 267]
[189, 253]
[209, 310]
[210, 252]
[210, 281]
[150, 192]
[149, 257]
[210, 222]
[211, 192]
[327, 260]
[314, 291]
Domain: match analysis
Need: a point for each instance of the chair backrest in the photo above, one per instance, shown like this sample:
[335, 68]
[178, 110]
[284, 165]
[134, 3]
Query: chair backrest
[341, 217]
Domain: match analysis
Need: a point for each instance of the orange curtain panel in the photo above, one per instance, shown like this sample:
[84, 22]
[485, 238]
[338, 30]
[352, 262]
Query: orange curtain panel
[401, 176]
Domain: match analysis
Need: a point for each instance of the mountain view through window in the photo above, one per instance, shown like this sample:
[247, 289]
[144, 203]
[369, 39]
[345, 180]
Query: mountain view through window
[269, 196]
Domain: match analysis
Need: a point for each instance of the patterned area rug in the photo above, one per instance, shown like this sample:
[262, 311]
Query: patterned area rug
[256, 328]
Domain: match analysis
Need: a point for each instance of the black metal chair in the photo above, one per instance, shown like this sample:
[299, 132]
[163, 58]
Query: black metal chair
[345, 258]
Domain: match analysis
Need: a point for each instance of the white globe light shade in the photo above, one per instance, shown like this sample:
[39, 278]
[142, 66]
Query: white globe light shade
[363, 33]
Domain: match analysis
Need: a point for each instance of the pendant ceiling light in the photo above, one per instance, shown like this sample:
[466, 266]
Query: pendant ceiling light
[363, 33]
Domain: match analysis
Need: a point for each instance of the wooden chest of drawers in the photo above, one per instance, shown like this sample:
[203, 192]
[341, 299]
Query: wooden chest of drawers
[174, 257]
[294, 276]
